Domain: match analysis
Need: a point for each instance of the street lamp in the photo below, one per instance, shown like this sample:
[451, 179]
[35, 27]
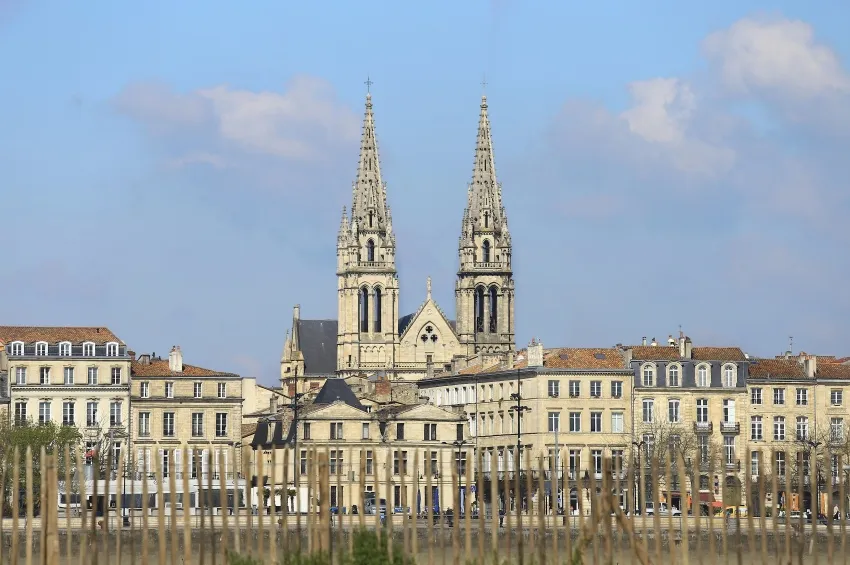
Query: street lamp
[459, 443]
[296, 482]
[638, 445]
[518, 409]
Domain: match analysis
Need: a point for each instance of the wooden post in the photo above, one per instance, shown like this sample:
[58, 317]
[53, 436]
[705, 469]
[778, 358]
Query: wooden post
[50, 513]
[324, 503]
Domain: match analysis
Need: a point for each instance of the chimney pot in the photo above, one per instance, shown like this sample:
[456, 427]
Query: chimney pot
[535, 354]
[643, 340]
[175, 360]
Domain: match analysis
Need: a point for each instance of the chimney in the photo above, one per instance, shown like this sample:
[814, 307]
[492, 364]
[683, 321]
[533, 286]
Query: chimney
[810, 364]
[654, 343]
[144, 359]
[132, 355]
[670, 341]
[689, 348]
[681, 345]
[273, 404]
[296, 312]
[535, 353]
[643, 341]
[175, 360]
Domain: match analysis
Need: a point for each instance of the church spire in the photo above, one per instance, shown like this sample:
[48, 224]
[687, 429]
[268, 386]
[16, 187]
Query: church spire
[369, 205]
[484, 196]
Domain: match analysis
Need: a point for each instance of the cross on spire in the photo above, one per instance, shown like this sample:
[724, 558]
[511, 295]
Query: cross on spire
[483, 83]
[368, 84]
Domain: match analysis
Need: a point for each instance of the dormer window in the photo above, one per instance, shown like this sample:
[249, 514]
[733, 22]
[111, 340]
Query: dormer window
[16, 348]
[729, 376]
[703, 378]
[673, 375]
[88, 349]
[112, 349]
[648, 374]
[41, 348]
[65, 349]
[370, 250]
[485, 251]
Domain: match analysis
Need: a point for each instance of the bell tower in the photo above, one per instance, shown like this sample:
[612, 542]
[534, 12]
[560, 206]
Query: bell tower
[367, 335]
[484, 293]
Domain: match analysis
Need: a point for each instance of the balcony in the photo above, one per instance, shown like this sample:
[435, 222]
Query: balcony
[730, 427]
[703, 427]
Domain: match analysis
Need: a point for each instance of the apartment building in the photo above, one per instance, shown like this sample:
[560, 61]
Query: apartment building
[177, 406]
[5, 397]
[375, 450]
[74, 376]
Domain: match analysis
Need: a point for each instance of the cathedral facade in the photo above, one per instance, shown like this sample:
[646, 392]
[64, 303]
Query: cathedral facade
[370, 335]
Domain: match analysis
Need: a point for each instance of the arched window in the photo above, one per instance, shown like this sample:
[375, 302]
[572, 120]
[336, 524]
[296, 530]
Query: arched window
[370, 250]
[493, 309]
[673, 375]
[486, 219]
[479, 309]
[364, 309]
[371, 216]
[729, 376]
[377, 315]
[485, 252]
[703, 379]
[648, 375]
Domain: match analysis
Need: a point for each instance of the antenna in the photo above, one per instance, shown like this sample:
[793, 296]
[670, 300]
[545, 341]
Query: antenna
[791, 343]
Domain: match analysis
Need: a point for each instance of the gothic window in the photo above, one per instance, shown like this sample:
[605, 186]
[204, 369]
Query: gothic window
[485, 252]
[493, 308]
[479, 309]
[371, 216]
[364, 309]
[486, 219]
[377, 315]
[429, 333]
[370, 249]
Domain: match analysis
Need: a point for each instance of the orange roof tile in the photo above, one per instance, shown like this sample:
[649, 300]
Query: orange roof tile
[658, 353]
[77, 335]
[777, 369]
[584, 358]
[719, 354]
[475, 369]
[833, 371]
[159, 368]
[667, 353]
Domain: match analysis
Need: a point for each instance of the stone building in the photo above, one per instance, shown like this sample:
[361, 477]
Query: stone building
[75, 376]
[176, 405]
[370, 334]
[5, 397]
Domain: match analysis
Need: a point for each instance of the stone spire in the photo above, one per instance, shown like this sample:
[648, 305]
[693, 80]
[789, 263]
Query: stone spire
[344, 232]
[369, 204]
[484, 195]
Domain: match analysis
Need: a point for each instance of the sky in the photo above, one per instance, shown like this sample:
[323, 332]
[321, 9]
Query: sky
[176, 170]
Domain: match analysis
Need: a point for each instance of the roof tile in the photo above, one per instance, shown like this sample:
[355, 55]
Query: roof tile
[777, 369]
[55, 334]
[160, 368]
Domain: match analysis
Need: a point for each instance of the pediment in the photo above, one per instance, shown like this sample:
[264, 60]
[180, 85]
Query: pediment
[430, 412]
[336, 410]
[429, 315]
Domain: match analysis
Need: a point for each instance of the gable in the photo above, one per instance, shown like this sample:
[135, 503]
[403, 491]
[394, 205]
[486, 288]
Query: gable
[429, 315]
[430, 412]
[337, 410]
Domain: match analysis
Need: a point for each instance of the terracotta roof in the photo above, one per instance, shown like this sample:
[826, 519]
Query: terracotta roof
[719, 354]
[658, 353]
[583, 358]
[475, 369]
[777, 369]
[248, 429]
[159, 368]
[833, 371]
[31, 334]
[667, 353]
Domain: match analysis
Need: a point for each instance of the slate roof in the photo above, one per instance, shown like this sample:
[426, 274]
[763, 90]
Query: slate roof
[317, 341]
[667, 353]
[335, 390]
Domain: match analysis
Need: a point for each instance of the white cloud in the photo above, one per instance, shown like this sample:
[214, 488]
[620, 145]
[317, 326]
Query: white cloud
[662, 108]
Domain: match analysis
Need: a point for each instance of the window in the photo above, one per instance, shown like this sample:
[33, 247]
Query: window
[88, 349]
[616, 389]
[459, 432]
[222, 390]
[673, 375]
[197, 424]
[91, 413]
[166, 462]
[169, 390]
[729, 411]
[115, 413]
[399, 431]
[648, 375]
[596, 422]
[303, 462]
[370, 462]
[91, 377]
[43, 412]
[144, 424]
[673, 411]
[44, 375]
[703, 379]
[20, 375]
[802, 428]
[336, 430]
[836, 429]
[399, 462]
[596, 455]
[116, 375]
[574, 462]
[370, 247]
[430, 432]
[168, 424]
[779, 396]
[756, 428]
[67, 413]
[198, 390]
[730, 377]
[729, 449]
[617, 422]
[802, 397]
[335, 462]
[702, 446]
[485, 251]
[575, 421]
[648, 410]
[779, 428]
[365, 431]
[836, 397]
[617, 459]
[596, 389]
[702, 410]
[16, 348]
[41, 348]
[779, 463]
[144, 389]
[221, 424]
[376, 312]
[305, 430]
[112, 349]
[20, 412]
[755, 463]
[755, 396]
[575, 389]
[364, 309]
[554, 421]
[68, 375]
[554, 389]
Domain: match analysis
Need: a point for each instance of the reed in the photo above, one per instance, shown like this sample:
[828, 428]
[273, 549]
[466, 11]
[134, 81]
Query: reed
[440, 509]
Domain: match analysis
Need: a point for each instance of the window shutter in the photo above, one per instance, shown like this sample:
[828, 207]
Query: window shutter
[140, 461]
[204, 463]
[178, 463]
[161, 461]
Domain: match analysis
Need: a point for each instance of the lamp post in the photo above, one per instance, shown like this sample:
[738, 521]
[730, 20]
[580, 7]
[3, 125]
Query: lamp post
[638, 445]
[459, 443]
[814, 445]
[295, 458]
[518, 409]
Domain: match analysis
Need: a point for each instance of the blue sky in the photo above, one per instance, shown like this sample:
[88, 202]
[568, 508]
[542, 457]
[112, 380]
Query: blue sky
[176, 170]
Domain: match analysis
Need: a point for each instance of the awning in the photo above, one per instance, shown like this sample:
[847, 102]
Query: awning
[706, 497]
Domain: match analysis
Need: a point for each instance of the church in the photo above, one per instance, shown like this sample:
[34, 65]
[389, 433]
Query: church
[370, 337]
